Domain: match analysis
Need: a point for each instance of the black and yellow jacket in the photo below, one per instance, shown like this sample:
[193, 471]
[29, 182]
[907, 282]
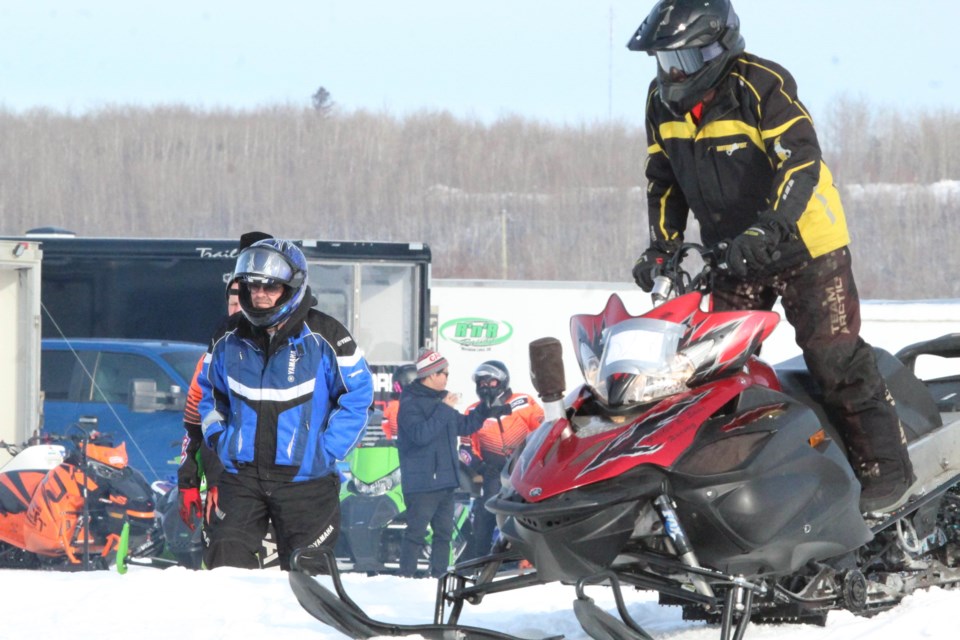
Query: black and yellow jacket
[753, 152]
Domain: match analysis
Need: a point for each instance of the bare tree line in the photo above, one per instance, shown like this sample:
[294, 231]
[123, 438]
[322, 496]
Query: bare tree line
[516, 198]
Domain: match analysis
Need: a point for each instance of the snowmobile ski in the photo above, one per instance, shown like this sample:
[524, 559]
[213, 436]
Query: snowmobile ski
[343, 614]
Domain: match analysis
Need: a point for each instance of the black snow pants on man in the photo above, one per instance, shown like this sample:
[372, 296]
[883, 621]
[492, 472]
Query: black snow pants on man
[433, 508]
[304, 514]
[820, 301]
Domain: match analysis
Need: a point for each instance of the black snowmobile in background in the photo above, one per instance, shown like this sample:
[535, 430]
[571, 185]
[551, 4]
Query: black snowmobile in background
[687, 466]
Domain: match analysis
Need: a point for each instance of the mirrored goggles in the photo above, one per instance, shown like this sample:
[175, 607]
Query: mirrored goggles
[690, 60]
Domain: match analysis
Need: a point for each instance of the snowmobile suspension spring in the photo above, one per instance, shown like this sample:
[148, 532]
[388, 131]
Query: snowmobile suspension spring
[681, 543]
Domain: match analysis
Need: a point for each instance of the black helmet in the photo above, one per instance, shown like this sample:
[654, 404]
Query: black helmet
[269, 262]
[404, 375]
[696, 43]
[492, 380]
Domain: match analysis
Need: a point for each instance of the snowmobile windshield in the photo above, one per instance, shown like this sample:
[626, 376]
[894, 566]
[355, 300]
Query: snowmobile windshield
[640, 363]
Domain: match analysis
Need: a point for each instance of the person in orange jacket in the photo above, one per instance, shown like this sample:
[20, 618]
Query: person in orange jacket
[192, 453]
[404, 375]
[496, 440]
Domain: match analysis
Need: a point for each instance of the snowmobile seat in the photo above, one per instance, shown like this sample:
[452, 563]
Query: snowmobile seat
[915, 405]
[946, 390]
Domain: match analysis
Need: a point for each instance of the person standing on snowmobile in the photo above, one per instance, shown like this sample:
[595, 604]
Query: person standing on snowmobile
[404, 375]
[729, 139]
[428, 431]
[496, 440]
[286, 392]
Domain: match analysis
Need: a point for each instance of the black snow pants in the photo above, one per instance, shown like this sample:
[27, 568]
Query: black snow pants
[484, 522]
[820, 301]
[303, 514]
[433, 508]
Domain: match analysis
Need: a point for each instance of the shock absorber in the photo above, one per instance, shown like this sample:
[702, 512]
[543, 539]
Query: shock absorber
[680, 541]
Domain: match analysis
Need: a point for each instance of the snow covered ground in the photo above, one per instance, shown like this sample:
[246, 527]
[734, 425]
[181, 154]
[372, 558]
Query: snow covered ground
[149, 604]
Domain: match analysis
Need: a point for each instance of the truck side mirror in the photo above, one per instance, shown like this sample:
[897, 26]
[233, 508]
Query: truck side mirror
[144, 397]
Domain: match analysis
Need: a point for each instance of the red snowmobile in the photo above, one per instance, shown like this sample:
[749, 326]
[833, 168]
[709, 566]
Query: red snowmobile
[73, 503]
[687, 466]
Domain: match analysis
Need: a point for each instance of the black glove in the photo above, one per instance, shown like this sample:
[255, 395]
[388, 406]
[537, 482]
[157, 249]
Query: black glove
[650, 263]
[753, 249]
[498, 410]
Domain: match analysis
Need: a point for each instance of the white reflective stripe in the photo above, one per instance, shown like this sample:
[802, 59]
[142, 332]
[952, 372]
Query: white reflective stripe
[207, 357]
[256, 394]
[349, 361]
[212, 417]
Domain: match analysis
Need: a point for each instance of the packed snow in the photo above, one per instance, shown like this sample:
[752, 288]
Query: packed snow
[153, 604]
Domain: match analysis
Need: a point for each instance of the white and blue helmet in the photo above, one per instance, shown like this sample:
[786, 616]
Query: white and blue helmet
[268, 262]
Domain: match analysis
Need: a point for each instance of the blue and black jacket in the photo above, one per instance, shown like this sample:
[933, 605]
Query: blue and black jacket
[289, 407]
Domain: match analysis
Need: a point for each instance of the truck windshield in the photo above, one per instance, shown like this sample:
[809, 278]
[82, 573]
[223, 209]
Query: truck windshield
[184, 362]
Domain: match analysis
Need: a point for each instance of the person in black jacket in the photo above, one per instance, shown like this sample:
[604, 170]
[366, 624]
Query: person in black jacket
[428, 432]
[729, 139]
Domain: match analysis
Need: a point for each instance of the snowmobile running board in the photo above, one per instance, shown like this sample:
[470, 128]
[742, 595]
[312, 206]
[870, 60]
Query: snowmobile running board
[343, 614]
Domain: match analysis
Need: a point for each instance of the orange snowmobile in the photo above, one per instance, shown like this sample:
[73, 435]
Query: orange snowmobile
[73, 503]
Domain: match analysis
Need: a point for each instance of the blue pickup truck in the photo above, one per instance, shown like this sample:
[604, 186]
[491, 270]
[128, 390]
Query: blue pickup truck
[132, 389]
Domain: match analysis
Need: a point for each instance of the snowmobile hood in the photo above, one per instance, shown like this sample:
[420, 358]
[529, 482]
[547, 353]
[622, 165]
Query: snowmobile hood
[561, 456]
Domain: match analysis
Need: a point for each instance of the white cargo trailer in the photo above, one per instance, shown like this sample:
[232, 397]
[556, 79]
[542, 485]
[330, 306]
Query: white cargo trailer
[20, 347]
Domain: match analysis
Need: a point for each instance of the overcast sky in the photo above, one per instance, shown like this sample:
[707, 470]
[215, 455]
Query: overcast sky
[556, 60]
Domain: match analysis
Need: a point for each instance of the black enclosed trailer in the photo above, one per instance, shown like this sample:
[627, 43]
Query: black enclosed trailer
[173, 289]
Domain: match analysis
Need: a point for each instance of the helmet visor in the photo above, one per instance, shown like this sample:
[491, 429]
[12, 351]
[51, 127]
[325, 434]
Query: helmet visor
[263, 263]
[487, 371]
[689, 60]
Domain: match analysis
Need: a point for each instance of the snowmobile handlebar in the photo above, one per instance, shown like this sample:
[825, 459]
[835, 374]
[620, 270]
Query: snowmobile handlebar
[672, 280]
[74, 438]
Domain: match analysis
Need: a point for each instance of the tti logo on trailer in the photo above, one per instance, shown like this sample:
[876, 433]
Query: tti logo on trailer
[476, 333]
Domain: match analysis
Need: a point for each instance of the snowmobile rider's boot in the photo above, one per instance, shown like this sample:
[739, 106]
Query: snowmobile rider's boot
[876, 442]
[885, 479]
[881, 492]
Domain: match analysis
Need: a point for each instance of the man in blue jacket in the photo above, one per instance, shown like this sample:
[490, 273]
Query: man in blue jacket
[428, 435]
[285, 395]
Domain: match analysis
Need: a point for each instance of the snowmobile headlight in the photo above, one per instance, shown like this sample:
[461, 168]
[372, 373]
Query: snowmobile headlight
[640, 363]
[378, 487]
[104, 471]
